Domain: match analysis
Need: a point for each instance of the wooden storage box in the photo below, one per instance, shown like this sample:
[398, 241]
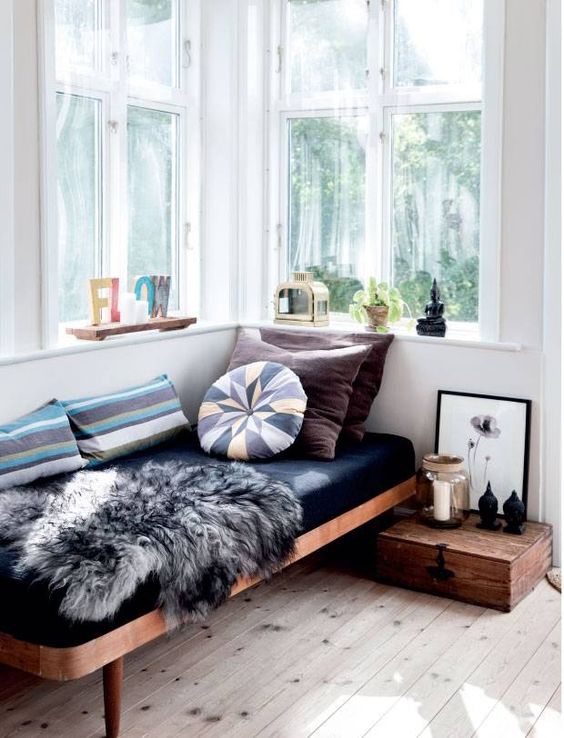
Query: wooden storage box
[487, 568]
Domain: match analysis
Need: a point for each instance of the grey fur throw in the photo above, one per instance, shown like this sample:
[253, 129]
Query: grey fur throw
[100, 534]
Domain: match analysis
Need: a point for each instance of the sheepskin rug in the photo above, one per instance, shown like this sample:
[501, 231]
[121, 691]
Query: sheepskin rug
[98, 535]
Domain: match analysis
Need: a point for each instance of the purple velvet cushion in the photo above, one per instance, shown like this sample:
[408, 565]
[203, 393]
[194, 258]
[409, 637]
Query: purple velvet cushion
[369, 378]
[326, 376]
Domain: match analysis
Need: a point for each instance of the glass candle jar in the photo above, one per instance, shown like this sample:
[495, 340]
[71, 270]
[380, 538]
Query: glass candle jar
[443, 491]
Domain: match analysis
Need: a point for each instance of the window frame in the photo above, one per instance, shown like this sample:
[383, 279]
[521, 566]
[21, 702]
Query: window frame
[109, 82]
[7, 141]
[379, 102]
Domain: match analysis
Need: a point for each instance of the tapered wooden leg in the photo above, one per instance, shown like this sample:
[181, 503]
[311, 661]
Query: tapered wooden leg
[113, 680]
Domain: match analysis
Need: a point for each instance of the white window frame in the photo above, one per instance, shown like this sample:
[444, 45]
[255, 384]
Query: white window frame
[108, 83]
[7, 236]
[380, 101]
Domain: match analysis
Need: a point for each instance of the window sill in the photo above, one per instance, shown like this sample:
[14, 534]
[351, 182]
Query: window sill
[460, 339]
[71, 345]
[455, 337]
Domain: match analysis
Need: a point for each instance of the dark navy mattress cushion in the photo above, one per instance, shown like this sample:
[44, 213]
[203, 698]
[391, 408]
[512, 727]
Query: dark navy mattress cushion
[326, 489]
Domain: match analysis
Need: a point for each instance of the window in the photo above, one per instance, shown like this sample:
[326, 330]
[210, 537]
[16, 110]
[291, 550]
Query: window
[119, 77]
[381, 146]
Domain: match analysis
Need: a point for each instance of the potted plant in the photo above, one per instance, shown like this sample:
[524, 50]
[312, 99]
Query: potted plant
[378, 305]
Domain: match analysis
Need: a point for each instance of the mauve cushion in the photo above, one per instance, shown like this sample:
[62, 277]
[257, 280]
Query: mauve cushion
[326, 376]
[369, 378]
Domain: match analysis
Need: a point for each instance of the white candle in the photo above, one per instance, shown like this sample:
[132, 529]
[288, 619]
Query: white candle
[127, 307]
[441, 500]
[141, 311]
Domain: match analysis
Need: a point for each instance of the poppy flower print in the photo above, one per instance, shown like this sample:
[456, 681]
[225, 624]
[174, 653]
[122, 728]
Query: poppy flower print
[491, 434]
[485, 425]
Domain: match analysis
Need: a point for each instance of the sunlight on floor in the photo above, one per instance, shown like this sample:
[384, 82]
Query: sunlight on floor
[549, 726]
[405, 721]
[363, 707]
[492, 718]
[484, 717]
[477, 704]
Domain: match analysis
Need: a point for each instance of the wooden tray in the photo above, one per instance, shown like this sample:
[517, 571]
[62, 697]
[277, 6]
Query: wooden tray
[100, 332]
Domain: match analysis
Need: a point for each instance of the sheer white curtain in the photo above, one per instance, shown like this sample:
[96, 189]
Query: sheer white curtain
[327, 162]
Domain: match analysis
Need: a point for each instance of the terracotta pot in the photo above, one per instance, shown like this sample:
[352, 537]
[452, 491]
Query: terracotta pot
[377, 315]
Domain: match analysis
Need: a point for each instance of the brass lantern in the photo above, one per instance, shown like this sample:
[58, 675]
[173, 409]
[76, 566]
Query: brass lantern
[301, 301]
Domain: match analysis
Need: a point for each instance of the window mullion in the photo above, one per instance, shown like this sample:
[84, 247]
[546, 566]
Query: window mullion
[385, 200]
[323, 102]
[96, 82]
[281, 55]
[280, 230]
[186, 266]
[274, 161]
[462, 94]
[190, 165]
[115, 252]
[491, 172]
[377, 79]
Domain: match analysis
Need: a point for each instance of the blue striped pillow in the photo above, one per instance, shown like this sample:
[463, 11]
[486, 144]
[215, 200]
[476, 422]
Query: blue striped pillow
[120, 423]
[36, 445]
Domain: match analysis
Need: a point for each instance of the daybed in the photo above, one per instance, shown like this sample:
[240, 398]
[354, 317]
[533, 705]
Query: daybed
[363, 481]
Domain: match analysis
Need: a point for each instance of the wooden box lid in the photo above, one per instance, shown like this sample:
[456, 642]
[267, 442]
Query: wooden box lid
[487, 544]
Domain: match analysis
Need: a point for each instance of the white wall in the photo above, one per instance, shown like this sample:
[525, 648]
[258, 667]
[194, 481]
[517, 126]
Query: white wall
[26, 185]
[407, 402]
[522, 230]
[7, 123]
[552, 482]
[191, 359]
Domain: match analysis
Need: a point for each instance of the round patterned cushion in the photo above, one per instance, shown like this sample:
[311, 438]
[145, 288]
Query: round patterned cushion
[252, 412]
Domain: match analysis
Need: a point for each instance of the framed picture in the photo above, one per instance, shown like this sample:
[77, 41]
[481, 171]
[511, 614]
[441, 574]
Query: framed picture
[492, 436]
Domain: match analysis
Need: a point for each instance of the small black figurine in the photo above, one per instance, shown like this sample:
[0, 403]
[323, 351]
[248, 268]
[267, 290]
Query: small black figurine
[487, 504]
[433, 324]
[514, 511]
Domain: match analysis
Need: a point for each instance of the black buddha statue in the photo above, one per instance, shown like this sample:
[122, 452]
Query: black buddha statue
[514, 511]
[487, 505]
[433, 324]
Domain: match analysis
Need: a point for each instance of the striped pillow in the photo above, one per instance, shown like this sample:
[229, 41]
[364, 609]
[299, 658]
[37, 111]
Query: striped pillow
[37, 445]
[110, 426]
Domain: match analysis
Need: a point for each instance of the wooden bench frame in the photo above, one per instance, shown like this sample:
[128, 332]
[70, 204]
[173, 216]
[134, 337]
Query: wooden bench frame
[107, 651]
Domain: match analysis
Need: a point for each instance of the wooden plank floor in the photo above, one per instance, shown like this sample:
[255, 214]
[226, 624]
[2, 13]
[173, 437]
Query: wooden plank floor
[323, 651]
